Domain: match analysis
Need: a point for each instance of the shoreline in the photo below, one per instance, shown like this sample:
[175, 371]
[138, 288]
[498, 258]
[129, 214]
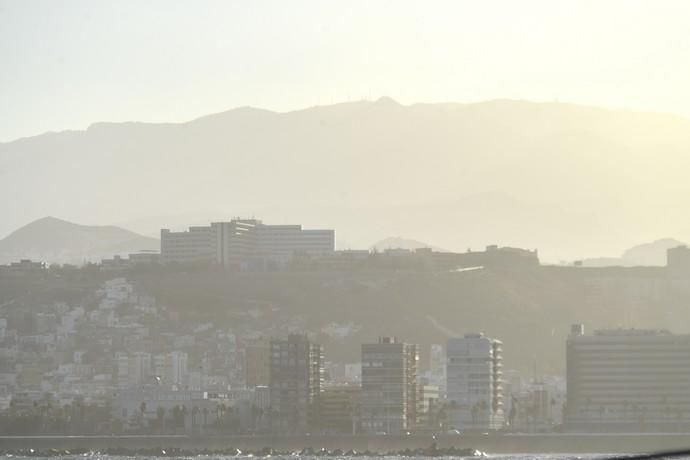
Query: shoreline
[374, 445]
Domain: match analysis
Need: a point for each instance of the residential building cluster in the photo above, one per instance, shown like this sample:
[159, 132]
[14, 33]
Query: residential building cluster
[146, 370]
[122, 362]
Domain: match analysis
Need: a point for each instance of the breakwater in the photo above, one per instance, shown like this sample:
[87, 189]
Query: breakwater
[512, 443]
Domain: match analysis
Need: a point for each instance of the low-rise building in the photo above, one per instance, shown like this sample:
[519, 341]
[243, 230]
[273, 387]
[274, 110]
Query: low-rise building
[339, 412]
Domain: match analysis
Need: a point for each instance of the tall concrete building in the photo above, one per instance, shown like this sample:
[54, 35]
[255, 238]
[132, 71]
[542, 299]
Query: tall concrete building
[243, 243]
[627, 380]
[296, 377]
[389, 386]
[257, 364]
[474, 383]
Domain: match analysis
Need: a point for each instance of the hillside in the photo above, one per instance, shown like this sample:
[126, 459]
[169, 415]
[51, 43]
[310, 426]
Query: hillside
[58, 241]
[573, 181]
[530, 310]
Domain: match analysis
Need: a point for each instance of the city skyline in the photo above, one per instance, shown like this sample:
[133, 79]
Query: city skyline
[346, 229]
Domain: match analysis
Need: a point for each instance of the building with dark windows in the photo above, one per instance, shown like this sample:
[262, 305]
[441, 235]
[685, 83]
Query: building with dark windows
[296, 377]
[389, 386]
[340, 409]
[257, 363]
[627, 380]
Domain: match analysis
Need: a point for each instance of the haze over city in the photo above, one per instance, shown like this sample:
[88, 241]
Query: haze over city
[277, 229]
[73, 64]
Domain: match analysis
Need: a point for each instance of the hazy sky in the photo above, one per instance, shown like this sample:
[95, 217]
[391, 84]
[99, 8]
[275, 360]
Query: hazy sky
[65, 64]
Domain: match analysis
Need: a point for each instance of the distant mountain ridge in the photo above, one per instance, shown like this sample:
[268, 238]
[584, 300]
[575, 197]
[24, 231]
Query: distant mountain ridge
[55, 240]
[572, 181]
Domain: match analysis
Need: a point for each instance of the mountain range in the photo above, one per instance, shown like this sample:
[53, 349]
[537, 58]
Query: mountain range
[54, 240]
[573, 181]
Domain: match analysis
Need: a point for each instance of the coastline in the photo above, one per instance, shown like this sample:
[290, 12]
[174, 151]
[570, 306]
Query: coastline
[491, 444]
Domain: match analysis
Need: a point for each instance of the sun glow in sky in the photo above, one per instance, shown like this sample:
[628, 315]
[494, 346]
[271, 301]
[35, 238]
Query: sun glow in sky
[64, 65]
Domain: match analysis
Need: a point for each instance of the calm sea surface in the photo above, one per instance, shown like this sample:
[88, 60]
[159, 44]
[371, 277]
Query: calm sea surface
[96, 456]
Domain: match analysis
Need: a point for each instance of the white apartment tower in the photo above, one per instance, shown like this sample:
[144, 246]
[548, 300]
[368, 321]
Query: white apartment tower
[473, 383]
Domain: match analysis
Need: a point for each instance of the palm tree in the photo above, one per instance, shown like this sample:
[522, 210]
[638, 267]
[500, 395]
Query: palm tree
[255, 416]
[204, 411]
[177, 416]
[475, 413]
[142, 409]
[512, 414]
[183, 412]
[626, 405]
[195, 411]
[160, 415]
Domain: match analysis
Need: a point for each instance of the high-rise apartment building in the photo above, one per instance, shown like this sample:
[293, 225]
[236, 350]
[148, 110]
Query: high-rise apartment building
[257, 364]
[296, 377]
[627, 380]
[389, 386]
[244, 243]
[474, 385]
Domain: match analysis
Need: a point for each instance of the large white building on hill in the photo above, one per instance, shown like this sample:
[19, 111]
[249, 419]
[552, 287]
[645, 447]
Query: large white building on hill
[244, 243]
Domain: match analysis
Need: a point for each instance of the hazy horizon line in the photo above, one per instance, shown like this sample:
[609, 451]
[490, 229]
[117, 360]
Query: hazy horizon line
[383, 98]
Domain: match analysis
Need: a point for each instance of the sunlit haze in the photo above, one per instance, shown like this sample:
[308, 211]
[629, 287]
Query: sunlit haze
[344, 229]
[65, 65]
